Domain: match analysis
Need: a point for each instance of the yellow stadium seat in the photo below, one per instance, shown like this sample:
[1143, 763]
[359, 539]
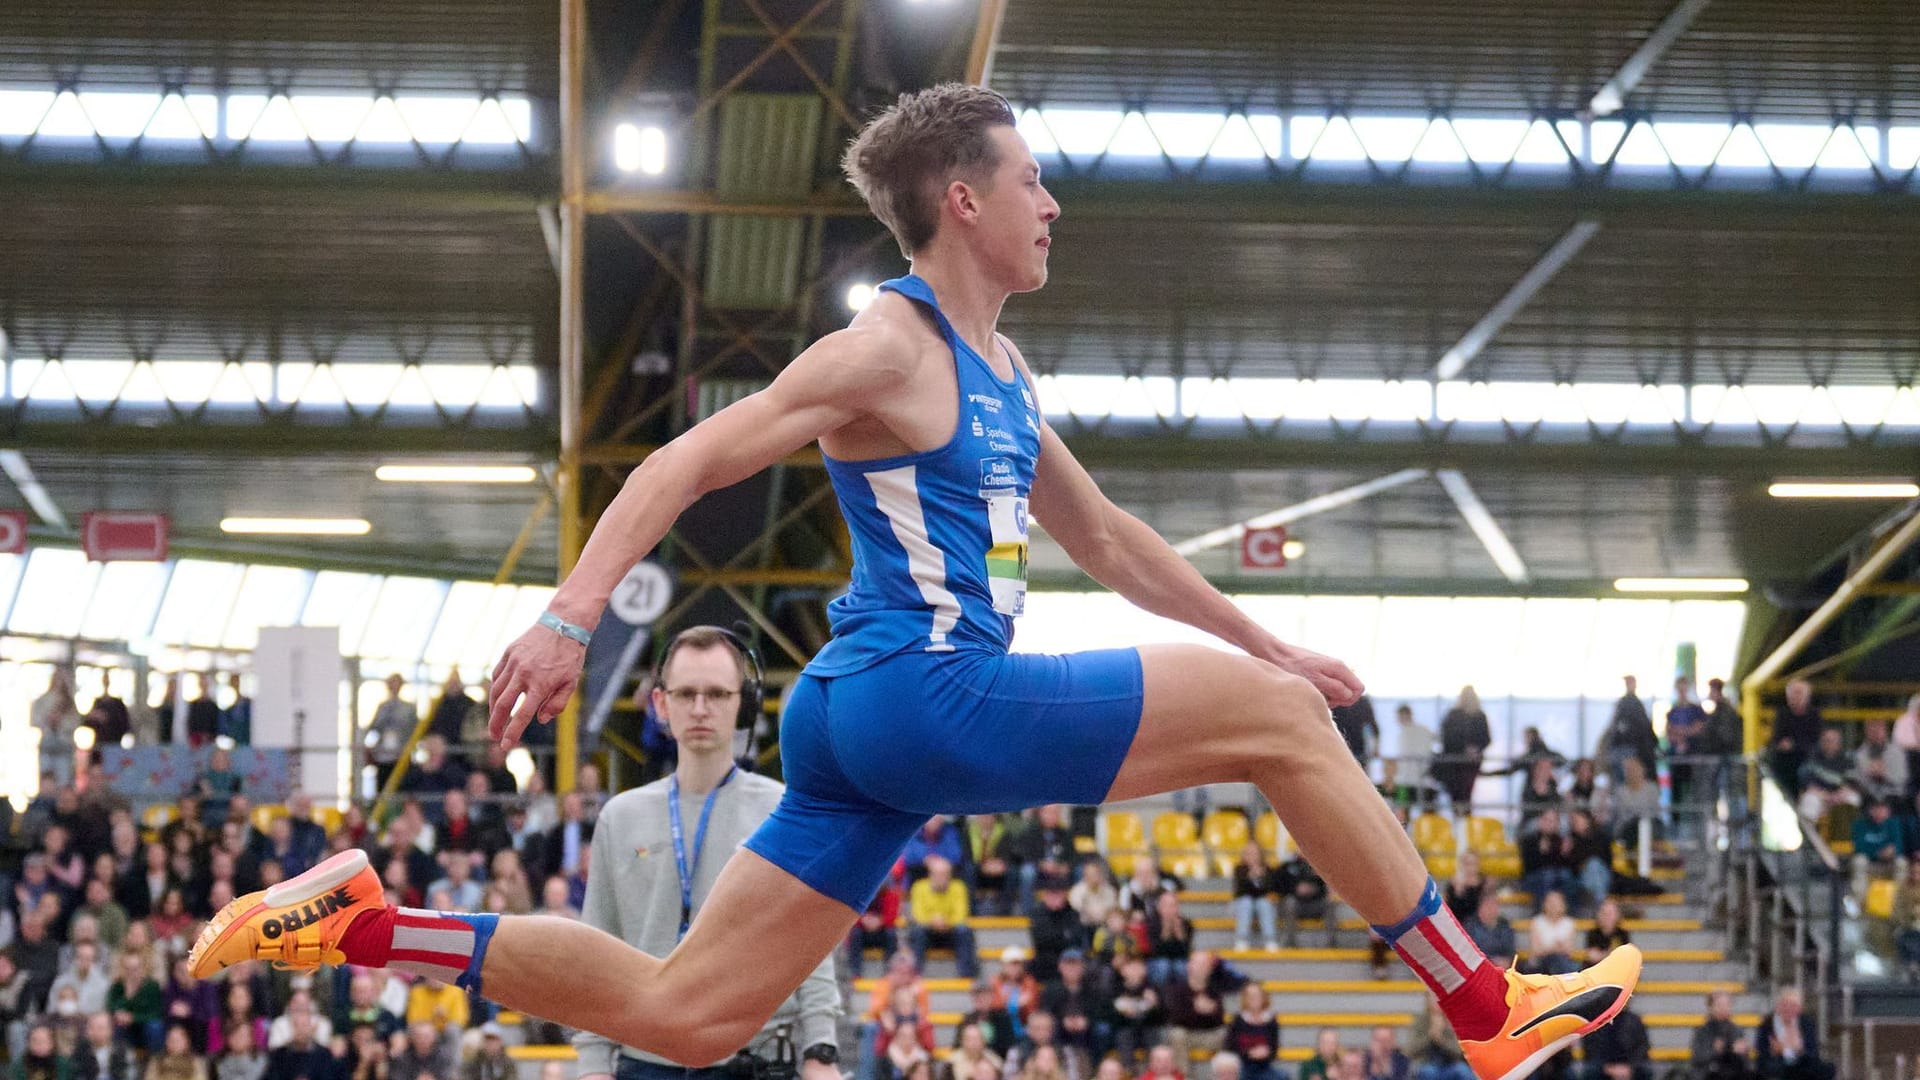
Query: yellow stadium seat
[1224, 833]
[1441, 866]
[1487, 838]
[264, 814]
[1879, 902]
[1126, 840]
[157, 817]
[1266, 833]
[329, 818]
[1433, 835]
[1176, 840]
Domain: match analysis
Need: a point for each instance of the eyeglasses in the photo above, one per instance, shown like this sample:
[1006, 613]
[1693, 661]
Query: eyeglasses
[686, 697]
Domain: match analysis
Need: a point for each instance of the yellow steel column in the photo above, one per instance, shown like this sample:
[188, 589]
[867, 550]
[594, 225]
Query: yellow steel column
[573, 187]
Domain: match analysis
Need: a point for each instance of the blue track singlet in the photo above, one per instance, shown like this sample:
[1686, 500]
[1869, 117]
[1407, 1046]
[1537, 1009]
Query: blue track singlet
[916, 707]
[939, 538]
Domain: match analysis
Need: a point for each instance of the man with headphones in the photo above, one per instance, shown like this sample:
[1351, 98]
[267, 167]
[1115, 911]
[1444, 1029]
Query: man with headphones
[658, 849]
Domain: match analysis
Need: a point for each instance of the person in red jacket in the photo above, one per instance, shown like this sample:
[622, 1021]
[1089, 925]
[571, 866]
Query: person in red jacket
[875, 928]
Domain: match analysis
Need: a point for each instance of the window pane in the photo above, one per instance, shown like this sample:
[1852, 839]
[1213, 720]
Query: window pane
[483, 646]
[269, 596]
[528, 603]
[53, 594]
[10, 567]
[403, 618]
[1344, 627]
[123, 605]
[1553, 654]
[1631, 637]
[342, 600]
[1407, 661]
[460, 620]
[199, 598]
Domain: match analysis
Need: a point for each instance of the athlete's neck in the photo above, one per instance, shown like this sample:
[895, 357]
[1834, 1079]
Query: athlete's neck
[699, 771]
[967, 298]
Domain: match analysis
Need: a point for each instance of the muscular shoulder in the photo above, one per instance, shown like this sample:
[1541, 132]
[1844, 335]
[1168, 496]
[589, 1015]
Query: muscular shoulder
[882, 348]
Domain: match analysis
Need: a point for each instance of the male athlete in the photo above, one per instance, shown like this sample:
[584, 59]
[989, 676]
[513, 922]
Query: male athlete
[927, 421]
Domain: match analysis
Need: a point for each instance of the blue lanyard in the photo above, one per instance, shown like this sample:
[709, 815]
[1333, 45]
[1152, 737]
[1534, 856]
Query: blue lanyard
[680, 860]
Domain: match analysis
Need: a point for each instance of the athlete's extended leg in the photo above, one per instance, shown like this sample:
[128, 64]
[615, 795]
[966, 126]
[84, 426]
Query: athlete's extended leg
[697, 1005]
[1209, 716]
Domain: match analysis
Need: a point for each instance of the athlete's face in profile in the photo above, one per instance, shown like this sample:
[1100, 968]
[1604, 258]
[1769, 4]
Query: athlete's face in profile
[700, 697]
[1015, 215]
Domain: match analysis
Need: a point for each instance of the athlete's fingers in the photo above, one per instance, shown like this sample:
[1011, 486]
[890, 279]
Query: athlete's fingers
[501, 713]
[553, 703]
[517, 723]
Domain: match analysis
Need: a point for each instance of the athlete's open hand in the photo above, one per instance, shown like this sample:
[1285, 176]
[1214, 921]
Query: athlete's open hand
[1335, 681]
[532, 681]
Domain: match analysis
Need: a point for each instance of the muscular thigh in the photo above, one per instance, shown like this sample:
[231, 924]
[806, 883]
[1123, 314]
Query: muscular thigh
[1209, 716]
[762, 920]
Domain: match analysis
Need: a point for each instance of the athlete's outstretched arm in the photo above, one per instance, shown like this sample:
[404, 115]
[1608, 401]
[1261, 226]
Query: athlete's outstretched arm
[823, 389]
[1126, 555]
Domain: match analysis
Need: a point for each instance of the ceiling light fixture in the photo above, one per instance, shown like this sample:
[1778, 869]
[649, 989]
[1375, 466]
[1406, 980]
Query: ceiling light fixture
[1680, 585]
[296, 526]
[456, 474]
[1844, 489]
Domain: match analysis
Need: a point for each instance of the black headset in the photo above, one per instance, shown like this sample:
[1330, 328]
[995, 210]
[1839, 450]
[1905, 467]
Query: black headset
[751, 690]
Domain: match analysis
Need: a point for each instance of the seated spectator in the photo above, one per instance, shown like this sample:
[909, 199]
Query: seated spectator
[1550, 938]
[363, 1009]
[1619, 1051]
[109, 916]
[1225, 1066]
[1042, 1037]
[1123, 934]
[443, 1005]
[1305, 897]
[1256, 896]
[490, 1061]
[67, 1020]
[903, 1017]
[1143, 886]
[427, 1054]
[136, 1002]
[176, 1060]
[992, 867]
[1254, 1035]
[1109, 1069]
[1048, 1063]
[1590, 849]
[1169, 939]
[1463, 889]
[904, 1055]
[1162, 1065]
[935, 838]
[990, 1017]
[100, 1056]
[243, 1059]
[1904, 923]
[373, 1059]
[14, 1004]
[1880, 845]
[1325, 1057]
[1720, 1051]
[1196, 1015]
[940, 910]
[1607, 933]
[1436, 1053]
[1491, 931]
[1351, 1066]
[1546, 858]
[1879, 766]
[172, 922]
[1586, 792]
[1044, 849]
[1542, 792]
[1014, 986]
[190, 1001]
[238, 1010]
[1137, 1013]
[1787, 1042]
[300, 1004]
[1080, 1006]
[302, 1058]
[556, 895]
[1384, 1059]
[1093, 895]
[42, 1060]
[1053, 928]
[875, 927]
[85, 975]
[1823, 777]
[970, 1050]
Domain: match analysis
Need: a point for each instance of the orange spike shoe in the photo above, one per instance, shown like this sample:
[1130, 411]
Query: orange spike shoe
[1548, 1013]
[295, 924]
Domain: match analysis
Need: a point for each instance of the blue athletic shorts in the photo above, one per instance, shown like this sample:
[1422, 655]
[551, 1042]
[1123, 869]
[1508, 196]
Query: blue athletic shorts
[870, 756]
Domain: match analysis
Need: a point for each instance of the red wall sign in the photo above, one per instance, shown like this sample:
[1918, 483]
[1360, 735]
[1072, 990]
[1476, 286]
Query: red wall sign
[124, 537]
[1264, 549]
[13, 532]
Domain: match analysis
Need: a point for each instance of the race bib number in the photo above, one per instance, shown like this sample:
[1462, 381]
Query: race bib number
[1007, 559]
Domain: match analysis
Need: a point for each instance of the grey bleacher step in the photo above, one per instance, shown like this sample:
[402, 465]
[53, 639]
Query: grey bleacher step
[1359, 970]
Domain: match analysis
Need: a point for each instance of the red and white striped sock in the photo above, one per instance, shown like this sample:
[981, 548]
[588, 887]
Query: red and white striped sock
[440, 945]
[1471, 990]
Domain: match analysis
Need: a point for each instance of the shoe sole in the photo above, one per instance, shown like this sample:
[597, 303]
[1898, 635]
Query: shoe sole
[313, 884]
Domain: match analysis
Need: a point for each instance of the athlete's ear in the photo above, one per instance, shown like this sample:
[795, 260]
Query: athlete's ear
[963, 201]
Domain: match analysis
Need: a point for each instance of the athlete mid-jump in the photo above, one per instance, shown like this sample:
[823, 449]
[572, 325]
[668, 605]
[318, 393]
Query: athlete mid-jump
[939, 456]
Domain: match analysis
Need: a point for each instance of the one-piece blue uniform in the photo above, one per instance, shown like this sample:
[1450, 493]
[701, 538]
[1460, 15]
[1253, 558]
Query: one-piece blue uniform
[916, 707]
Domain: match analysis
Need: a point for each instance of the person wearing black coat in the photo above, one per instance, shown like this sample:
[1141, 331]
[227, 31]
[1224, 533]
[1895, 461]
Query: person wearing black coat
[1630, 734]
[1786, 1045]
[1464, 738]
[1621, 1043]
